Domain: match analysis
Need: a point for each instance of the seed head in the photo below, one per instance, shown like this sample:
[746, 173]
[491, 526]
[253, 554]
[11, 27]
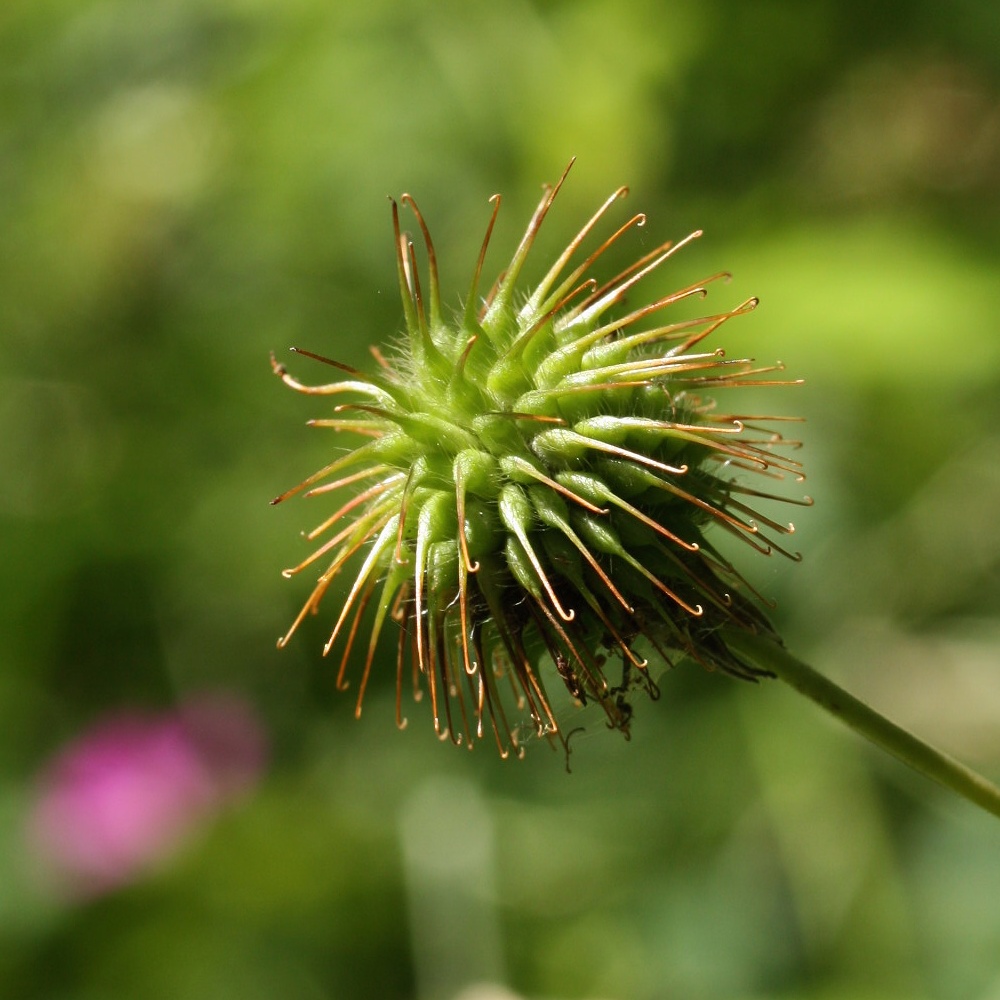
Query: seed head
[536, 478]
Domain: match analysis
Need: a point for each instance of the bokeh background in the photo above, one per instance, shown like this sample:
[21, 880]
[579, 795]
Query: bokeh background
[187, 812]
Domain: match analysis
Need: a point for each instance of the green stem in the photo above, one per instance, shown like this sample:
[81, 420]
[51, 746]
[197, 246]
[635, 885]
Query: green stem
[768, 655]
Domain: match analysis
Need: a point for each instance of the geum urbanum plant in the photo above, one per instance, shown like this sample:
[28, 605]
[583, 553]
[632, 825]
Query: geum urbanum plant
[536, 482]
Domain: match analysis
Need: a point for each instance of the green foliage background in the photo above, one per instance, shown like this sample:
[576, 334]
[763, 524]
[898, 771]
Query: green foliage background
[186, 185]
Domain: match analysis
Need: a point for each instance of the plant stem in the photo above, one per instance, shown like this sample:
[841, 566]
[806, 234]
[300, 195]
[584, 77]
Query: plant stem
[768, 655]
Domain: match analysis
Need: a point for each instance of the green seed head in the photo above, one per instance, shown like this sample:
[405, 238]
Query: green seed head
[534, 480]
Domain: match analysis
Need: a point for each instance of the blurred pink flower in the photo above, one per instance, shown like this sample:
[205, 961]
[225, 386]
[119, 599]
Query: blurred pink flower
[130, 790]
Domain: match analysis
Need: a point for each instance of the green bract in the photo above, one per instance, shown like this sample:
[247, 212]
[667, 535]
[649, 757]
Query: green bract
[536, 477]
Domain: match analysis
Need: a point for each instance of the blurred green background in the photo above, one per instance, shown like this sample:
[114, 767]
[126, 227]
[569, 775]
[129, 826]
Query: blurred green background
[186, 185]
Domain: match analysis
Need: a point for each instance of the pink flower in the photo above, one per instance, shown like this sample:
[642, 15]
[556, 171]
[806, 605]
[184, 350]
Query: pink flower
[131, 790]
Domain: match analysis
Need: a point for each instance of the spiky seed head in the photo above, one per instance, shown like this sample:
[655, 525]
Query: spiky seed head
[535, 479]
